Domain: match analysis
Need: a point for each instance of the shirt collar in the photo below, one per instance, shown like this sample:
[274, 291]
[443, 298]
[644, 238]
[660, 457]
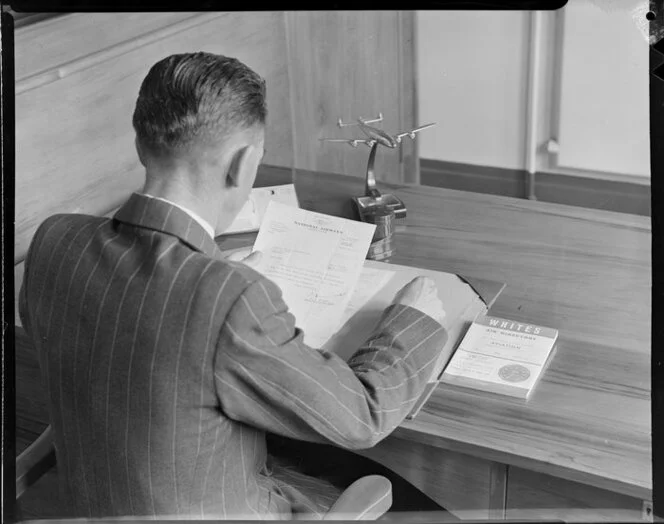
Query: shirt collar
[204, 223]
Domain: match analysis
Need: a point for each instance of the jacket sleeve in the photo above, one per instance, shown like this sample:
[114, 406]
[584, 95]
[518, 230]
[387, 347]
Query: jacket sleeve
[22, 300]
[267, 377]
[23, 292]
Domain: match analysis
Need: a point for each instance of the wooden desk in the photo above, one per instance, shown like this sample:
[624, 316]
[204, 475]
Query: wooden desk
[581, 445]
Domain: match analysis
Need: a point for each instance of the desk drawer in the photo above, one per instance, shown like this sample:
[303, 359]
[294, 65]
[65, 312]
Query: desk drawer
[469, 487]
[537, 496]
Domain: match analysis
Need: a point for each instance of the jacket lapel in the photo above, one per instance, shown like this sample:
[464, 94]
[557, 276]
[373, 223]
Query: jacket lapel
[150, 213]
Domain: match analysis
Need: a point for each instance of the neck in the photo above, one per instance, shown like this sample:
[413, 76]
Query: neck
[199, 185]
[202, 201]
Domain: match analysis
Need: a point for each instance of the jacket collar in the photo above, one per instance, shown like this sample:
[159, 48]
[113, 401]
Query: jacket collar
[151, 213]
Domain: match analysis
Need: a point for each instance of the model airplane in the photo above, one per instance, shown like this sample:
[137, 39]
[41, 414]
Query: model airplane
[375, 135]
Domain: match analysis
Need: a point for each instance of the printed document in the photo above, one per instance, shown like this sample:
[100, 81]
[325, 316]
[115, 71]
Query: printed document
[371, 281]
[316, 260]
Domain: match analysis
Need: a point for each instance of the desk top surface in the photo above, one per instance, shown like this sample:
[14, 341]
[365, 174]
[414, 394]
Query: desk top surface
[586, 273]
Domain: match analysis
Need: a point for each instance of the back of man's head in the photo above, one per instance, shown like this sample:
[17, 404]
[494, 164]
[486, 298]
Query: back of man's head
[196, 100]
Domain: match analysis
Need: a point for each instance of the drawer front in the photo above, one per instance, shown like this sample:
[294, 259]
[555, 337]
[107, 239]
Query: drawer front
[469, 487]
[533, 495]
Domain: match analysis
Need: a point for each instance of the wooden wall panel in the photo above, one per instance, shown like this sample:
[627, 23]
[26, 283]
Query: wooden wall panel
[535, 496]
[75, 149]
[409, 115]
[469, 487]
[347, 65]
[47, 46]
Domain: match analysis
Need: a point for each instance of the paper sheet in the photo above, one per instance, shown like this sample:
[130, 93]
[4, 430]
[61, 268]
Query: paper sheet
[316, 260]
[371, 281]
[461, 303]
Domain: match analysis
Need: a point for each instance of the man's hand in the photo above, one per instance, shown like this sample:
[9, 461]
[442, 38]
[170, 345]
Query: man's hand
[421, 293]
[246, 257]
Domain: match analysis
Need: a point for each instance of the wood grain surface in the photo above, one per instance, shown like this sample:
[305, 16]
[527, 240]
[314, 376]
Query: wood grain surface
[75, 139]
[326, 87]
[409, 151]
[50, 48]
[536, 496]
[584, 272]
[466, 479]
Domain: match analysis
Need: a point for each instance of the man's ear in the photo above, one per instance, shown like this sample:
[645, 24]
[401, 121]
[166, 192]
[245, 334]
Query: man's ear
[236, 168]
[139, 150]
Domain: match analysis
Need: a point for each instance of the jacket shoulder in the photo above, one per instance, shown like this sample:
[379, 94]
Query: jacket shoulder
[56, 226]
[60, 221]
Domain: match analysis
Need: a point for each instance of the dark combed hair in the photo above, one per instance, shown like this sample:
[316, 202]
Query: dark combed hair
[196, 99]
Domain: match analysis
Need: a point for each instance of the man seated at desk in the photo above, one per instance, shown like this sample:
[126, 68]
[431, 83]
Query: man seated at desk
[166, 364]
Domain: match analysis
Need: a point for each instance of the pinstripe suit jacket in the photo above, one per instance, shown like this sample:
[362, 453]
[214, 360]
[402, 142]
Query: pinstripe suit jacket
[166, 364]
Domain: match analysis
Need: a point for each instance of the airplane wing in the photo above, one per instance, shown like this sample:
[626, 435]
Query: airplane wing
[351, 141]
[412, 132]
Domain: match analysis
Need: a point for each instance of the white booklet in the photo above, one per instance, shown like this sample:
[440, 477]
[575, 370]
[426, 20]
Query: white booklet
[316, 260]
[501, 356]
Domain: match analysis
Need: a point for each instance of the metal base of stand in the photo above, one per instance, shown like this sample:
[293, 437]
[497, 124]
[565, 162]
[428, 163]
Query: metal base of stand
[365, 204]
[373, 198]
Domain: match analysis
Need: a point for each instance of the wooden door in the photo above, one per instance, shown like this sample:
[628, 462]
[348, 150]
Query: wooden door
[348, 65]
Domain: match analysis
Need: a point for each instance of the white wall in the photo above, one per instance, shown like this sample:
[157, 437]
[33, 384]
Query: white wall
[593, 95]
[472, 68]
[604, 90]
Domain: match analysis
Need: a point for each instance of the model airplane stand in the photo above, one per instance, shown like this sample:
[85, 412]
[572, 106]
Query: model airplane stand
[381, 210]
[373, 198]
